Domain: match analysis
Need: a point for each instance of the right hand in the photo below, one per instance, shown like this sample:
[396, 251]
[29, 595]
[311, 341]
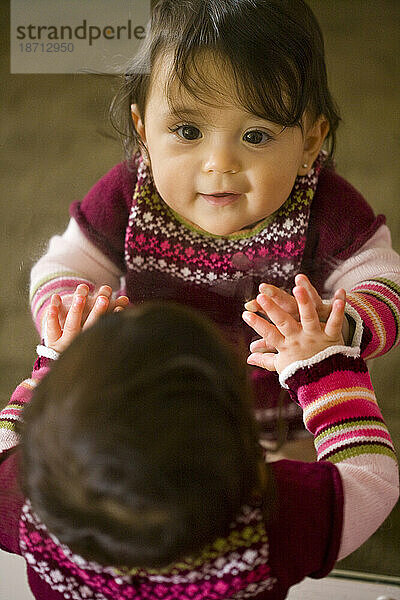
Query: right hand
[67, 299]
[291, 340]
[64, 320]
[288, 303]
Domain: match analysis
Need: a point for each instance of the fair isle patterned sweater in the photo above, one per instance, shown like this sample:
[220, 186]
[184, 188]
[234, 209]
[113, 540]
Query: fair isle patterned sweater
[323, 510]
[325, 229]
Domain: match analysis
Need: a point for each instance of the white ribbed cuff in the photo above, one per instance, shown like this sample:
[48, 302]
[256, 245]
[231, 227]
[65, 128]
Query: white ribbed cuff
[47, 352]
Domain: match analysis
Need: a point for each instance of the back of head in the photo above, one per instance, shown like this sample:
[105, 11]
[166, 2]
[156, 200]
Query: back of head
[272, 51]
[139, 447]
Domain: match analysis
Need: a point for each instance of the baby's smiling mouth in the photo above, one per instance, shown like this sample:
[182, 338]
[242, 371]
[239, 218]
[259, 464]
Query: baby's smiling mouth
[221, 198]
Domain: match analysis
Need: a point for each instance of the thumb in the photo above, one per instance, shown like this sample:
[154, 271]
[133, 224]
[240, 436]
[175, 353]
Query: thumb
[265, 360]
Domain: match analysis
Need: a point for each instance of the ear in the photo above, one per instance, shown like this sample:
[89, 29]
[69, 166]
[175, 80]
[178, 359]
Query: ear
[139, 126]
[314, 137]
[137, 121]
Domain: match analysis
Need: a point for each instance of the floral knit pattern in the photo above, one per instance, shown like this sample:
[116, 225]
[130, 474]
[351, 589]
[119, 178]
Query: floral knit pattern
[158, 240]
[234, 567]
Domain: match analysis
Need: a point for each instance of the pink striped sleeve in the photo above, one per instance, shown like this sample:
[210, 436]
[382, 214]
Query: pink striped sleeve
[12, 413]
[377, 301]
[340, 409]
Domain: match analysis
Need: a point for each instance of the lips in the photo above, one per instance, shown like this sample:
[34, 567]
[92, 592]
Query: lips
[221, 198]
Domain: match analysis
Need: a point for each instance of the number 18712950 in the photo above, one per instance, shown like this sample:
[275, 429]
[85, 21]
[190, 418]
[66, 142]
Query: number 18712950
[46, 47]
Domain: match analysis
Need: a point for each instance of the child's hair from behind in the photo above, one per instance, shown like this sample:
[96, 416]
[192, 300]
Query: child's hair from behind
[139, 447]
[273, 49]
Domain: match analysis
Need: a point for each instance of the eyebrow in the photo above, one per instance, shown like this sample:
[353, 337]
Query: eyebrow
[182, 111]
[186, 112]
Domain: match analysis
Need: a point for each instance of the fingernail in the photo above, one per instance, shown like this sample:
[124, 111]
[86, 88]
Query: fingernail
[250, 306]
[262, 297]
[246, 316]
[264, 289]
[82, 289]
[106, 291]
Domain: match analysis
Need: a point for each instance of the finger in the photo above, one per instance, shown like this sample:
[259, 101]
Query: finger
[100, 307]
[323, 310]
[118, 309]
[267, 331]
[333, 327]
[302, 280]
[261, 346]
[63, 310]
[282, 319]
[53, 331]
[340, 294]
[104, 290]
[281, 298]
[122, 301]
[265, 361]
[308, 314]
[73, 321]
[252, 306]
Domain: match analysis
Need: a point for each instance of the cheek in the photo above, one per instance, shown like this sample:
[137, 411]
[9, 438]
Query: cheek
[276, 183]
[171, 170]
[168, 180]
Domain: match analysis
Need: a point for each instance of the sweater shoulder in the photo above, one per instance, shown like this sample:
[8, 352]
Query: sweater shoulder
[334, 194]
[115, 187]
[103, 213]
[341, 222]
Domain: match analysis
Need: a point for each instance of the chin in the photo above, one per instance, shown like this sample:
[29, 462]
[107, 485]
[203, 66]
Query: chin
[222, 231]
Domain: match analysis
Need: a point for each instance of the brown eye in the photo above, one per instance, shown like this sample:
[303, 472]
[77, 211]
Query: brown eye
[188, 132]
[255, 136]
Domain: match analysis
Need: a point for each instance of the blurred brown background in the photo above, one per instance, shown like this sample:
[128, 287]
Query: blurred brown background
[56, 141]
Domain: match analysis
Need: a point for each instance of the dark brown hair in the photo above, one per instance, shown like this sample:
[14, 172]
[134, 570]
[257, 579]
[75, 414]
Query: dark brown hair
[139, 447]
[273, 51]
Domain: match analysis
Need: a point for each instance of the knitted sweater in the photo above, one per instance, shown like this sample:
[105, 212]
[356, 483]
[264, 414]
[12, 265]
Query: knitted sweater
[122, 230]
[324, 510]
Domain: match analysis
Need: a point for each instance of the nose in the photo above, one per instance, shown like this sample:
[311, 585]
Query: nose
[221, 158]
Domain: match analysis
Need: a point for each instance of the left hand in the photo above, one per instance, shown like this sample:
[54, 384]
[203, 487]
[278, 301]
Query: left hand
[288, 303]
[292, 340]
[59, 338]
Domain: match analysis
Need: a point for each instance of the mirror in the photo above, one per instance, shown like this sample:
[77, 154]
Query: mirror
[57, 142]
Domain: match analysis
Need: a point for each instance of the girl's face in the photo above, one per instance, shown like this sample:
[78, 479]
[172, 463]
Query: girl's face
[221, 168]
